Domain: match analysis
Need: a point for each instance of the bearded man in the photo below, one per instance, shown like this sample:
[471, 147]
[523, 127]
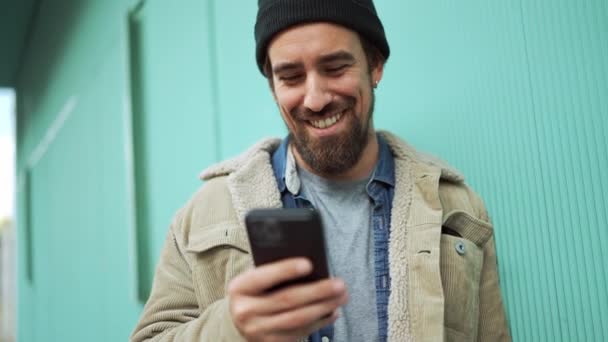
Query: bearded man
[409, 245]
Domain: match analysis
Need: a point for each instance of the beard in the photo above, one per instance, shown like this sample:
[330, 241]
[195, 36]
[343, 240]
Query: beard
[334, 154]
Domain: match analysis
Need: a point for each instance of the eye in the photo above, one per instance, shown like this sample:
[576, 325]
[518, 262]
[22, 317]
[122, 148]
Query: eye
[336, 70]
[290, 79]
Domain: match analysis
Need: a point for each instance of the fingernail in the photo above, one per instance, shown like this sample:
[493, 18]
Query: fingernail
[338, 285]
[303, 266]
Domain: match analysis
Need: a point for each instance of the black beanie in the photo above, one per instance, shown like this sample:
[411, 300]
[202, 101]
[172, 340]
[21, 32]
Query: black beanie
[276, 15]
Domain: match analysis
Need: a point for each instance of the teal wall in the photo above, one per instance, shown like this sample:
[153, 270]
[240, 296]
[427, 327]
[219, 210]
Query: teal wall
[122, 103]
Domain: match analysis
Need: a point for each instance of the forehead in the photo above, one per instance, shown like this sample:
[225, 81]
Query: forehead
[312, 40]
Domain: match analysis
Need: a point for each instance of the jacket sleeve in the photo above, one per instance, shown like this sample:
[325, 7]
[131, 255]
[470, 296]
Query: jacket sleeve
[493, 324]
[172, 312]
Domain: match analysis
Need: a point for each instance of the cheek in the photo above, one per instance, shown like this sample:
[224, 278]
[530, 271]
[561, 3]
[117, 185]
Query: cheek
[287, 99]
[354, 87]
[350, 84]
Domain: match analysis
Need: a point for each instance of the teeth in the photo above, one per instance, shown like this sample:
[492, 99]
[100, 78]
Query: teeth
[326, 122]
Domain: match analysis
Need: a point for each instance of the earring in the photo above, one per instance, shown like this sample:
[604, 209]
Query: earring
[376, 83]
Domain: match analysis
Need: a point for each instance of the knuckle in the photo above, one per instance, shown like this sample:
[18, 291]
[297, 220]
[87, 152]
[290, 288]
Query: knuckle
[252, 331]
[241, 282]
[335, 303]
[232, 291]
[297, 320]
[241, 313]
[327, 288]
[327, 307]
[235, 284]
[284, 298]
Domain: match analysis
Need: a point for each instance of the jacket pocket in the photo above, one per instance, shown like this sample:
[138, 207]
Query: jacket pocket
[461, 259]
[219, 253]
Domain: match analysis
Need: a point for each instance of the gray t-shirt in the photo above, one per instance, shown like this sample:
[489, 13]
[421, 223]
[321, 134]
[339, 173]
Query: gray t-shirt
[345, 209]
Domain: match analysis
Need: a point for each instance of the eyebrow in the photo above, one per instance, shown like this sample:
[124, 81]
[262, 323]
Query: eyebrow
[332, 57]
[336, 56]
[287, 66]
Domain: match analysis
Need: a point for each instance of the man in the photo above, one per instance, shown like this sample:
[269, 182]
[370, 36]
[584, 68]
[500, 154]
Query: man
[409, 245]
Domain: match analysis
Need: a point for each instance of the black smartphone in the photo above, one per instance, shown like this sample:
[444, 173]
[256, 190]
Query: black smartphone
[276, 234]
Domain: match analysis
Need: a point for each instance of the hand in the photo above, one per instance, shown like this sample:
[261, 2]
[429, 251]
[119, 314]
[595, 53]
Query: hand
[287, 313]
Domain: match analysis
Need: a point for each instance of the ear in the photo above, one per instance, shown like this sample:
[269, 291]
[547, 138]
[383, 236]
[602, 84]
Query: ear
[377, 73]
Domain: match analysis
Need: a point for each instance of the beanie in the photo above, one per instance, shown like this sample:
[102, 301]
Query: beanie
[276, 15]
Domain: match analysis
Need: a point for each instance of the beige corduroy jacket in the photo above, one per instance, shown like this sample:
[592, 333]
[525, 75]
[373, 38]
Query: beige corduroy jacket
[444, 287]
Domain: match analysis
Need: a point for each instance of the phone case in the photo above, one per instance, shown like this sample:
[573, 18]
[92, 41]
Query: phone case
[276, 234]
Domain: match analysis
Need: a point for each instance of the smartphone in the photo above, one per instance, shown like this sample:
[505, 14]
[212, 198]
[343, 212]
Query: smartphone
[276, 234]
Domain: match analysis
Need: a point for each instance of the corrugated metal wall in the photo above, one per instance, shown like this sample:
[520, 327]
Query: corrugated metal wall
[120, 104]
[515, 94]
[73, 206]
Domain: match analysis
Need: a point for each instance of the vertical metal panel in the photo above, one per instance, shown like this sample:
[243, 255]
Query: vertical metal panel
[514, 94]
[173, 118]
[78, 225]
[565, 43]
[247, 111]
[78, 216]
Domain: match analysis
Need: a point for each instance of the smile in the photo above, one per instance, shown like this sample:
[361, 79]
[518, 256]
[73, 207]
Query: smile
[326, 123]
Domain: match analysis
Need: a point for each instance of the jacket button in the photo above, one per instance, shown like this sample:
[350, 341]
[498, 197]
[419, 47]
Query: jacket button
[460, 247]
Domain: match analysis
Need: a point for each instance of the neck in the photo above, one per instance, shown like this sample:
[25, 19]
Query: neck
[362, 169]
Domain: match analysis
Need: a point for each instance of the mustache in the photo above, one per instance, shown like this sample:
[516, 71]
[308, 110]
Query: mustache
[337, 106]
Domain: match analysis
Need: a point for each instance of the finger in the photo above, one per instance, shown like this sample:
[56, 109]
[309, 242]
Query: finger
[245, 309]
[296, 296]
[323, 322]
[262, 278]
[301, 318]
[294, 335]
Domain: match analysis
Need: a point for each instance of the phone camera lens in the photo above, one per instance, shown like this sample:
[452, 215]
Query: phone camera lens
[269, 233]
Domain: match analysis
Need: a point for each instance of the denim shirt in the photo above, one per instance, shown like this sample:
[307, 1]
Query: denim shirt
[381, 190]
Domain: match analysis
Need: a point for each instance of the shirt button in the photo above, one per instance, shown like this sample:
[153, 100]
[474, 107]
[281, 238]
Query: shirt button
[325, 339]
[460, 247]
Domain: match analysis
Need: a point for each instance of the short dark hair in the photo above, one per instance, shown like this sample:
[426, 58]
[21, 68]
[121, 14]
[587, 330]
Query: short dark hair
[372, 54]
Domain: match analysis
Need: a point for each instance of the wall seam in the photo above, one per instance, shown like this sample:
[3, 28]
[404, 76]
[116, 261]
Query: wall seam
[214, 78]
[129, 156]
[138, 242]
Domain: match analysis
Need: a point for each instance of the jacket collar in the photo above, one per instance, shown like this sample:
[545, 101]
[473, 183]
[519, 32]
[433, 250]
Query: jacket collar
[283, 165]
[226, 167]
[399, 148]
[402, 150]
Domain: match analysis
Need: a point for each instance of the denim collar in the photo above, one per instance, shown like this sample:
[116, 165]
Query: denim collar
[384, 170]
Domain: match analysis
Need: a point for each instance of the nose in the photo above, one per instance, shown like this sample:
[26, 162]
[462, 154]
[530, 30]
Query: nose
[317, 96]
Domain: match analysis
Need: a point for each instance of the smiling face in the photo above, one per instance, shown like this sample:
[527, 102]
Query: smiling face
[323, 86]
